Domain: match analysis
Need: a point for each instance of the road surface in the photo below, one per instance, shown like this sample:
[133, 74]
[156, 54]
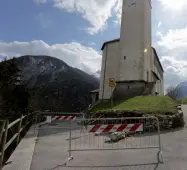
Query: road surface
[52, 144]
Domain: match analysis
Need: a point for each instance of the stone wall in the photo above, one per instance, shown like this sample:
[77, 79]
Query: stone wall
[167, 121]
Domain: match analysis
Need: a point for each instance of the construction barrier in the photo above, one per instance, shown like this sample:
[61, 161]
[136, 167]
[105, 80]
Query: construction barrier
[116, 128]
[64, 118]
[115, 134]
[46, 119]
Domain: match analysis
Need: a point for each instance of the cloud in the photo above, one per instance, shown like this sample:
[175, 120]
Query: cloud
[159, 24]
[118, 10]
[40, 1]
[172, 13]
[174, 5]
[173, 43]
[171, 39]
[175, 70]
[96, 12]
[74, 54]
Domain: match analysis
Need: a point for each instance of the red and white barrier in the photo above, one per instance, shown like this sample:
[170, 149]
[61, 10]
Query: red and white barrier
[137, 127]
[64, 118]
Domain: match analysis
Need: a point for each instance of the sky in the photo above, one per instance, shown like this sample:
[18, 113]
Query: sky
[74, 31]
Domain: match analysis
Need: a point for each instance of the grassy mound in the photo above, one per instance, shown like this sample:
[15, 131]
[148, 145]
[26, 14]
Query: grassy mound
[147, 104]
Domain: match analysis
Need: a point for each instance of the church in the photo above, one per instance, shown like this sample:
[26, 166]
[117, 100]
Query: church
[130, 65]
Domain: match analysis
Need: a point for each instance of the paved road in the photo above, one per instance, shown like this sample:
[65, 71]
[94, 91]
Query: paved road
[52, 144]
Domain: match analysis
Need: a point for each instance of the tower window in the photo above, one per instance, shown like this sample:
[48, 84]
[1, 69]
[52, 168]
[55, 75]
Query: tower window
[125, 57]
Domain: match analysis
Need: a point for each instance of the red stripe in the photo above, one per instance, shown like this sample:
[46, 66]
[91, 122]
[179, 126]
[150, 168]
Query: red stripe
[72, 117]
[108, 128]
[135, 127]
[64, 118]
[58, 117]
[95, 128]
[121, 128]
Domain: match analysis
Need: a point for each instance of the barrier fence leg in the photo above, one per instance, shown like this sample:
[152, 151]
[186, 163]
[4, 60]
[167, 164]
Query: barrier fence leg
[159, 154]
[70, 138]
[35, 123]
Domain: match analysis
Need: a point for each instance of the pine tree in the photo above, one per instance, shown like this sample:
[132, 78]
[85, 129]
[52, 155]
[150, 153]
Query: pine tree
[14, 97]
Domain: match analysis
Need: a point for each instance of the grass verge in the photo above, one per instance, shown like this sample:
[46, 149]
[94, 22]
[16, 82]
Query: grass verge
[147, 104]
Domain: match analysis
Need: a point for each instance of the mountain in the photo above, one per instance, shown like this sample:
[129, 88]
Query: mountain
[54, 84]
[182, 90]
[97, 74]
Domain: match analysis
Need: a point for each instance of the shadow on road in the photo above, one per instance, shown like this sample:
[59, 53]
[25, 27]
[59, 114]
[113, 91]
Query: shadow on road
[164, 131]
[53, 128]
[147, 166]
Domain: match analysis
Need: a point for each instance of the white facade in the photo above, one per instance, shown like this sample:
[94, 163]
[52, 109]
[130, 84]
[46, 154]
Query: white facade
[131, 59]
[135, 39]
[109, 68]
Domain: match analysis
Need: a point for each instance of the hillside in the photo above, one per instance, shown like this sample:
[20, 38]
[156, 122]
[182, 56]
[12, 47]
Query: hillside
[182, 90]
[54, 84]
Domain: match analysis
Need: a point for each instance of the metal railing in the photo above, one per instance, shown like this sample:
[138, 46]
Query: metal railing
[19, 124]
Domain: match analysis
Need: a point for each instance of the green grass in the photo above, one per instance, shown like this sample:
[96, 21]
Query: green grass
[182, 101]
[147, 104]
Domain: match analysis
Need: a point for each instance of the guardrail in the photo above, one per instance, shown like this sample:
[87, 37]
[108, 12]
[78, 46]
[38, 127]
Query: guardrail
[20, 123]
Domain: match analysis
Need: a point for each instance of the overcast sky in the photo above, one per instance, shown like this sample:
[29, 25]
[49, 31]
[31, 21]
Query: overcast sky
[74, 31]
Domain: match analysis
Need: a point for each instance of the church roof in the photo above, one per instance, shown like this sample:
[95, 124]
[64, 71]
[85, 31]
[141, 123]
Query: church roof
[154, 50]
[107, 42]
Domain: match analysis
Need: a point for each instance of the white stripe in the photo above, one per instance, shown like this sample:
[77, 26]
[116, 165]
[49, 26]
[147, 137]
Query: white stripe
[89, 127]
[63, 118]
[115, 128]
[73, 118]
[140, 129]
[69, 117]
[129, 126]
[54, 118]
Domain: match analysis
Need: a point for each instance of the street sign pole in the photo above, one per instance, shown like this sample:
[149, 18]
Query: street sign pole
[111, 98]
[112, 85]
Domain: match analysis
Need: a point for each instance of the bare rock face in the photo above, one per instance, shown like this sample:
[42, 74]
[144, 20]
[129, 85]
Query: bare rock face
[54, 84]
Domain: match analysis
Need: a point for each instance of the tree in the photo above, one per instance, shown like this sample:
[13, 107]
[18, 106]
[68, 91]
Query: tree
[14, 96]
[172, 91]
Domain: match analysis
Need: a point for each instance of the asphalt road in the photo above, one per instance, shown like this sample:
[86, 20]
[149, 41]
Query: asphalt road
[52, 145]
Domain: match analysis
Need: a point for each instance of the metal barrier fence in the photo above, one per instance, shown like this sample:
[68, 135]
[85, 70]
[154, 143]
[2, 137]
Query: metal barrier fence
[47, 118]
[115, 134]
[103, 134]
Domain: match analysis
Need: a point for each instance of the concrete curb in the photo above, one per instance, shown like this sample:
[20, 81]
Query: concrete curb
[21, 158]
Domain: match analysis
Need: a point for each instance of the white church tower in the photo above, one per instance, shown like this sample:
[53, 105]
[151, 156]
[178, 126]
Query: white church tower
[131, 61]
[135, 40]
